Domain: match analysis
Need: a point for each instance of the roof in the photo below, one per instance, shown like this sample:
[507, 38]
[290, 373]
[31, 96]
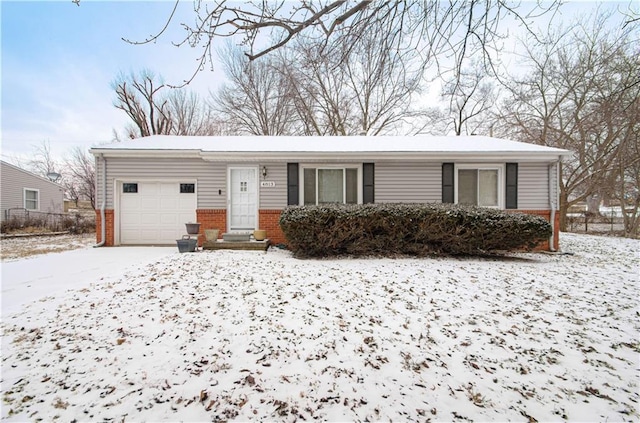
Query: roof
[218, 148]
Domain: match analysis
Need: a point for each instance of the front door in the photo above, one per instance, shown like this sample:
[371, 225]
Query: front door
[243, 201]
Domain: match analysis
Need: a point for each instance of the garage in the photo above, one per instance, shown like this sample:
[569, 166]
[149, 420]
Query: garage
[154, 213]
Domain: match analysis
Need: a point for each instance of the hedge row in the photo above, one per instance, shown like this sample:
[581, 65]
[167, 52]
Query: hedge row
[408, 229]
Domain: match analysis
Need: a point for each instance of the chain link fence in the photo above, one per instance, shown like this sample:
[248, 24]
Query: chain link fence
[23, 220]
[608, 222]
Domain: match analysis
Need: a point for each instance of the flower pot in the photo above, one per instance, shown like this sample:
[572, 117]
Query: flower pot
[211, 234]
[192, 228]
[187, 245]
[259, 234]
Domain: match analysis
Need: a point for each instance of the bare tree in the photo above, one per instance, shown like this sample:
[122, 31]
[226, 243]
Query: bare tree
[42, 162]
[319, 90]
[191, 115]
[256, 100]
[439, 29]
[470, 96]
[76, 171]
[80, 176]
[351, 85]
[142, 99]
[572, 98]
[158, 109]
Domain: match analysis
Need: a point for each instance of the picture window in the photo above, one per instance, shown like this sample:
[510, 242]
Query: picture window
[330, 185]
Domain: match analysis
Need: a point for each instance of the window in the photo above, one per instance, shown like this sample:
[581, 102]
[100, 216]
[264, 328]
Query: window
[31, 197]
[187, 188]
[129, 188]
[479, 186]
[323, 185]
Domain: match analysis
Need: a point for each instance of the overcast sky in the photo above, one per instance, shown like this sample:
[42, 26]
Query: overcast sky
[58, 61]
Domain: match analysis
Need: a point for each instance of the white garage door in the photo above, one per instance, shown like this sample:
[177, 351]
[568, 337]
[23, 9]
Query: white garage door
[155, 212]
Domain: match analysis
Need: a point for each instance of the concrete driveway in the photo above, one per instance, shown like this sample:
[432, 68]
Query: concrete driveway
[45, 276]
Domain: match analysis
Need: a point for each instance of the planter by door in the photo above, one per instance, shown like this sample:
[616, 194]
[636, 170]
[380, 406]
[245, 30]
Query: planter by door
[192, 228]
[211, 234]
[187, 244]
[259, 234]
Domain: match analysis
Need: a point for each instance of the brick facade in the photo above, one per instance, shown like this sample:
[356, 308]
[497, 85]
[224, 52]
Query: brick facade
[211, 219]
[544, 246]
[109, 235]
[268, 220]
[217, 219]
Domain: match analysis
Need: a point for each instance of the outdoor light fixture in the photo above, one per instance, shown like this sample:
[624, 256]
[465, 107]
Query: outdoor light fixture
[264, 172]
[53, 176]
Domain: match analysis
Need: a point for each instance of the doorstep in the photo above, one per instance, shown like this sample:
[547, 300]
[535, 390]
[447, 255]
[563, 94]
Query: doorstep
[239, 245]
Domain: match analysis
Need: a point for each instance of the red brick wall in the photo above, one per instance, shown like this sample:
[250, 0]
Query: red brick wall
[108, 215]
[217, 219]
[211, 219]
[556, 233]
[268, 220]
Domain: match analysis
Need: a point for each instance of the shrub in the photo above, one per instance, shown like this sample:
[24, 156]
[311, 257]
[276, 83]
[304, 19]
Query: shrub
[408, 229]
[48, 222]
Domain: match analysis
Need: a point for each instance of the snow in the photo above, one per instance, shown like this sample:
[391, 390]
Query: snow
[29, 280]
[342, 144]
[233, 335]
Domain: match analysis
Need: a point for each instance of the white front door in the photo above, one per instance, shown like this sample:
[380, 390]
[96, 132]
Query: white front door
[243, 200]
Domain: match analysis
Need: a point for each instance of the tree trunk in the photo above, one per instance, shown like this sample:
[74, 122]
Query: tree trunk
[593, 204]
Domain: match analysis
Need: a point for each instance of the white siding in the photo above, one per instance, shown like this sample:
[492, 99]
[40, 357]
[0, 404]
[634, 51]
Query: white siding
[210, 177]
[412, 182]
[274, 198]
[418, 182]
[533, 186]
[14, 180]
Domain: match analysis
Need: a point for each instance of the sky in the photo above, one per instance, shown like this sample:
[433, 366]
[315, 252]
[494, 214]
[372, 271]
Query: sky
[58, 61]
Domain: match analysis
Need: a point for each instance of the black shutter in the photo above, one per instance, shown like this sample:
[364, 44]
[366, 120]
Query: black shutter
[368, 183]
[511, 192]
[292, 184]
[447, 182]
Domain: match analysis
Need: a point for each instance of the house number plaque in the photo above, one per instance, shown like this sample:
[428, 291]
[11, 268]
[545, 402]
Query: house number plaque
[267, 184]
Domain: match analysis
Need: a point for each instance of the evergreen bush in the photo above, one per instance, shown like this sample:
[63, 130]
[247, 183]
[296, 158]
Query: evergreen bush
[390, 229]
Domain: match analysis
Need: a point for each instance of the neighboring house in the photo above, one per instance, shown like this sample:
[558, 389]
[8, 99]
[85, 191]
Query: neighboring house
[156, 184]
[23, 191]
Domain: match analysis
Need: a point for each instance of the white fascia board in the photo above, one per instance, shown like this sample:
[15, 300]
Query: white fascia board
[340, 156]
[373, 157]
[146, 153]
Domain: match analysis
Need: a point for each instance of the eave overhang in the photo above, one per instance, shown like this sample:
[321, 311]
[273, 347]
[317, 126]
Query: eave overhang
[336, 156]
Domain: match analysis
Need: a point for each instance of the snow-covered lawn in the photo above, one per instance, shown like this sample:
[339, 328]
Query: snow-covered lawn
[232, 335]
[21, 247]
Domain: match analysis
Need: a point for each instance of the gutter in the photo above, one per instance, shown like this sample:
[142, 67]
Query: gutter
[103, 227]
[553, 201]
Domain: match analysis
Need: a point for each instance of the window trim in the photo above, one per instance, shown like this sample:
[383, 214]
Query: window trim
[343, 166]
[500, 167]
[24, 198]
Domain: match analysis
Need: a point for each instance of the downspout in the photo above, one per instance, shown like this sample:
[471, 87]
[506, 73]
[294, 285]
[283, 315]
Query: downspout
[103, 227]
[553, 202]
